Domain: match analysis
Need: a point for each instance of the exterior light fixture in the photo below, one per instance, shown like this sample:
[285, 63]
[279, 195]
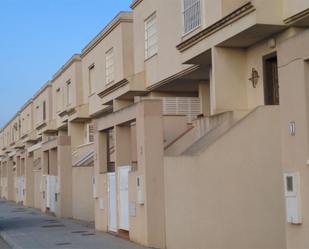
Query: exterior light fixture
[254, 77]
[272, 43]
[292, 127]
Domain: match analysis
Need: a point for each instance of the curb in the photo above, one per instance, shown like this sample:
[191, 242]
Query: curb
[9, 240]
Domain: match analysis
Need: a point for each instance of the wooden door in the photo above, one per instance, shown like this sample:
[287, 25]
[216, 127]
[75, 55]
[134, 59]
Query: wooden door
[271, 81]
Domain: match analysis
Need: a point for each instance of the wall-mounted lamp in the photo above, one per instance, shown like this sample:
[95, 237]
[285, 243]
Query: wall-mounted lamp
[254, 77]
[272, 43]
[292, 128]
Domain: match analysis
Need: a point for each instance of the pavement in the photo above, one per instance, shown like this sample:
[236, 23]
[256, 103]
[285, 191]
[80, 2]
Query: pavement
[4, 245]
[27, 228]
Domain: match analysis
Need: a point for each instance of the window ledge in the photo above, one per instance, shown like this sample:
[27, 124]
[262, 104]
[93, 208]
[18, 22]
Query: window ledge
[84, 145]
[149, 58]
[185, 35]
[110, 83]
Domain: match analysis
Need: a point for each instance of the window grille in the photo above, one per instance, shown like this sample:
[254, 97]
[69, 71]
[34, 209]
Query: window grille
[151, 36]
[69, 93]
[90, 133]
[191, 14]
[109, 66]
[91, 78]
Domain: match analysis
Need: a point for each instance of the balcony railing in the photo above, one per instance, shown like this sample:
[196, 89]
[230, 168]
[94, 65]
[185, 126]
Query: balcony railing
[184, 106]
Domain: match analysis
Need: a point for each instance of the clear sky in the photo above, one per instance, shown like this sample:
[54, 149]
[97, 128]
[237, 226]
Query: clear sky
[38, 36]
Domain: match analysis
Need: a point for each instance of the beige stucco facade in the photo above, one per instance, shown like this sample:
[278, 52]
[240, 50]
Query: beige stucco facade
[175, 132]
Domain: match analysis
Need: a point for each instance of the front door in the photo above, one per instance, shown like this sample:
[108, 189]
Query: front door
[51, 187]
[112, 203]
[123, 176]
[271, 81]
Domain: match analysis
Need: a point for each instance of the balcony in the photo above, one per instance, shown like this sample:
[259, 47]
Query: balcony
[250, 23]
[296, 12]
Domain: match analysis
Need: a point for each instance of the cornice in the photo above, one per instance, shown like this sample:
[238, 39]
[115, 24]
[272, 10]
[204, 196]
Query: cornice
[296, 17]
[227, 20]
[42, 89]
[113, 88]
[122, 17]
[74, 58]
[135, 3]
[30, 101]
[10, 121]
[173, 77]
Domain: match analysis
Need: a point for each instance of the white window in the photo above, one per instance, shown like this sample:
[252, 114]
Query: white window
[91, 79]
[38, 116]
[151, 36]
[69, 92]
[109, 66]
[58, 97]
[90, 133]
[28, 123]
[191, 14]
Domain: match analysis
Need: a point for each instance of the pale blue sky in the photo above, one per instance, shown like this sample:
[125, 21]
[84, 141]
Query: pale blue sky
[38, 36]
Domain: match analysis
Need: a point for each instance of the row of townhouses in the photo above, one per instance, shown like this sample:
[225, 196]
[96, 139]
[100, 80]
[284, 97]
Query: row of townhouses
[184, 124]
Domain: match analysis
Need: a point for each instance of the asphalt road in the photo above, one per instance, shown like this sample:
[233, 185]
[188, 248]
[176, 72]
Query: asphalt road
[27, 228]
[3, 244]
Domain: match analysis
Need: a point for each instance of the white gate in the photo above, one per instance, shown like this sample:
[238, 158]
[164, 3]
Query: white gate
[112, 206]
[51, 190]
[123, 176]
[21, 188]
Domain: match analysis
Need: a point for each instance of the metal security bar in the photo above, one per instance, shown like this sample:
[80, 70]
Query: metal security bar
[191, 14]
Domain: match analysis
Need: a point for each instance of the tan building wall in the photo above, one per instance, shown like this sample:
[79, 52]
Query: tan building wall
[294, 78]
[158, 67]
[213, 63]
[67, 91]
[37, 187]
[26, 120]
[115, 37]
[214, 197]
[37, 179]
[42, 109]
[82, 199]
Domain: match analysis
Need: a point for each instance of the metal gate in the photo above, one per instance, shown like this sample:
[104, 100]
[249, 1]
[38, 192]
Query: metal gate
[123, 176]
[51, 187]
[112, 206]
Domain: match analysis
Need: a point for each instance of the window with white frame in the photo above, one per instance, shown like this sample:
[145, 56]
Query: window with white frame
[28, 123]
[58, 97]
[38, 116]
[151, 36]
[90, 133]
[23, 126]
[69, 92]
[12, 135]
[191, 14]
[109, 66]
[91, 78]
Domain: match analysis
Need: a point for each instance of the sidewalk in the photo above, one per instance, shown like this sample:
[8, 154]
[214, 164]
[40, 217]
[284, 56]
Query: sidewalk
[26, 228]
